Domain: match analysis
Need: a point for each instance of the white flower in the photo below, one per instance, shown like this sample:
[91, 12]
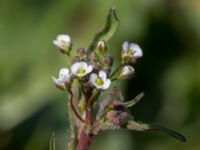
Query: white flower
[63, 43]
[100, 81]
[63, 79]
[131, 50]
[126, 72]
[81, 69]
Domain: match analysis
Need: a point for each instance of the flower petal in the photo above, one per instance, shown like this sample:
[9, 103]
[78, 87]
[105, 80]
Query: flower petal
[106, 84]
[93, 78]
[125, 46]
[63, 37]
[83, 65]
[89, 69]
[59, 83]
[75, 67]
[102, 75]
[57, 43]
[64, 72]
[138, 51]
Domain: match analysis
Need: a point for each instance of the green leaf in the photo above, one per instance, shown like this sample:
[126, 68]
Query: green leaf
[133, 125]
[108, 31]
[134, 101]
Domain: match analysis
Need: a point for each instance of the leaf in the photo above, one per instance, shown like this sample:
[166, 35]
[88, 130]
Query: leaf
[134, 101]
[133, 125]
[170, 132]
[108, 31]
[52, 142]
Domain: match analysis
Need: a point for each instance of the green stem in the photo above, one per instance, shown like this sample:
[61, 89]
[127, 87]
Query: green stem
[73, 139]
[94, 95]
[116, 70]
[74, 109]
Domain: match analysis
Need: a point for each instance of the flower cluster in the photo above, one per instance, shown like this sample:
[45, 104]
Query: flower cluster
[95, 67]
[90, 73]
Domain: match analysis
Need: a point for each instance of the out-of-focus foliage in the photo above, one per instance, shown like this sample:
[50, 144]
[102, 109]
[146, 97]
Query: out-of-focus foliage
[169, 73]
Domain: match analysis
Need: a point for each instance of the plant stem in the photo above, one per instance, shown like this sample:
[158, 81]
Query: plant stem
[84, 141]
[74, 109]
[116, 70]
[73, 139]
[85, 135]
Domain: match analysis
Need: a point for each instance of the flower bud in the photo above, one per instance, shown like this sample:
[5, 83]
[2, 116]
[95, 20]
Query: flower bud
[126, 72]
[64, 79]
[82, 54]
[107, 61]
[93, 60]
[101, 46]
[93, 56]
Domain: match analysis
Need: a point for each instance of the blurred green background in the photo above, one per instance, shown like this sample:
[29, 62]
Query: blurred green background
[169, 73]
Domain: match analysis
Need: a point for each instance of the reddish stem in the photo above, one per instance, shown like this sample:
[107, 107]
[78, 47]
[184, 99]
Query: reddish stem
[74, 109]
[89, 114]
[84, 141]
[85, 135]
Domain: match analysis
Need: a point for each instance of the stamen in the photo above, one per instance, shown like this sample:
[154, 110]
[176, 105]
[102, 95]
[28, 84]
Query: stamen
[99, 81]
[131, 52]
[81, 71]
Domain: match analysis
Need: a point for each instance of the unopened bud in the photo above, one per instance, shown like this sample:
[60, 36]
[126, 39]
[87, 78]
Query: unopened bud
[101, 46]
[107, 61]
[82, 53]
[93, 56]
[126, 72]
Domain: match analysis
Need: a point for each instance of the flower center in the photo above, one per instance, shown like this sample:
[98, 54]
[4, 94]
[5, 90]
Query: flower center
[63, 41]
[99, 81]
[81, 71]
[131, 52]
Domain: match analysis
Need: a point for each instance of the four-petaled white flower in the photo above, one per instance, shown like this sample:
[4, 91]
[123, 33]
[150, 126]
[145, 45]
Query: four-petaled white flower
[131, 50]
[63, 79]
[63, 43]
[81, 69]
[126, 72]
[100, 81]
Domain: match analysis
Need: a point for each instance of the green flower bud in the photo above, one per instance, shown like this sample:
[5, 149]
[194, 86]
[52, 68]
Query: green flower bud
[101, 46]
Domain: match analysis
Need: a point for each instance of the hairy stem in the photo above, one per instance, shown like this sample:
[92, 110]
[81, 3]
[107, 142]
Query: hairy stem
[85, 134]
[84, 141]
[73, 139]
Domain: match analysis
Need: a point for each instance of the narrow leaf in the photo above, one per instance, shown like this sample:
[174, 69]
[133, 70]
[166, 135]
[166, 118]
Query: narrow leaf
[133, 125]
[134, 101]
[170, 132]
[108, 31]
